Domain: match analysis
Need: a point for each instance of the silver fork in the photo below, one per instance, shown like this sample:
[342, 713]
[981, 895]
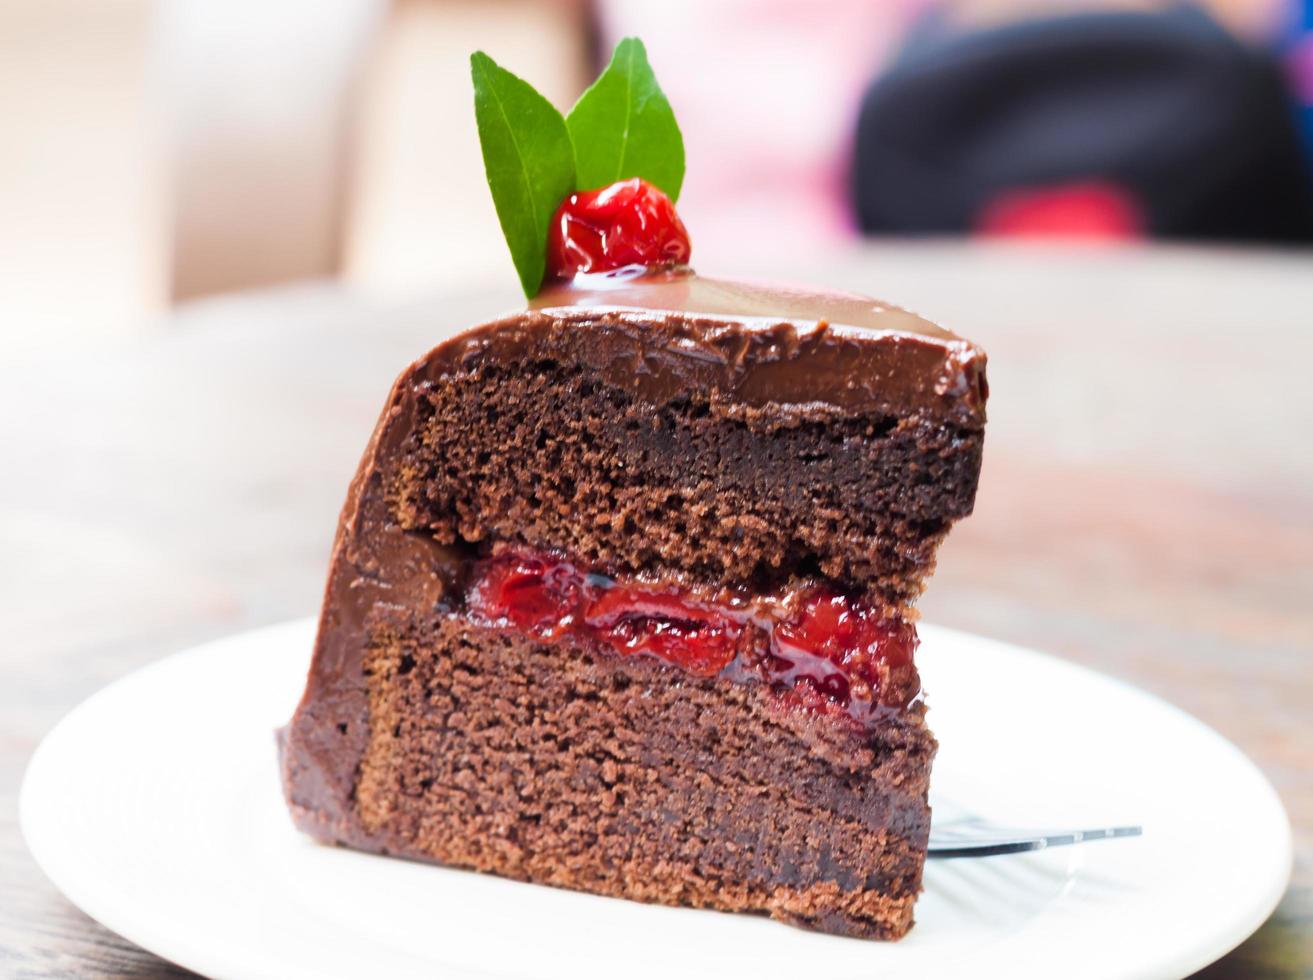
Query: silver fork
[979, 839]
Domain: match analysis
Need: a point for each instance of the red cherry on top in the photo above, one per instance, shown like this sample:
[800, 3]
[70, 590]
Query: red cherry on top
[629, 222]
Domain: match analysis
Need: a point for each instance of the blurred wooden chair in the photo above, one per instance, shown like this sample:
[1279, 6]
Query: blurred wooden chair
[420, 214]
[156, 151]
[82, 219]
[314, 140]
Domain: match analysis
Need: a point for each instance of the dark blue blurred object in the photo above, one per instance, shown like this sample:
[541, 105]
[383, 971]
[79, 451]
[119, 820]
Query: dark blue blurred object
[1155, 123]
[1297, 54]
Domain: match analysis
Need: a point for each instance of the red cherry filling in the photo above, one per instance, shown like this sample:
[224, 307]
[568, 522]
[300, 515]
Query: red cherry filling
[626, 223]
[536, 593]
[819, 650]
[845, 651]
[643, 620]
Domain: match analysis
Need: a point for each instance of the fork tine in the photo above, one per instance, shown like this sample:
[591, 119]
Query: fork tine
[952, 844]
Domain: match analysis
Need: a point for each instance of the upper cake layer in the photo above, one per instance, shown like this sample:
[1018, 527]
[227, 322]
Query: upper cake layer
[670, 426]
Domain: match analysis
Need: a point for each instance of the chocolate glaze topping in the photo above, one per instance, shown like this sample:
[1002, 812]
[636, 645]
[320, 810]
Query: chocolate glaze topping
[756, 344]
[659, 336]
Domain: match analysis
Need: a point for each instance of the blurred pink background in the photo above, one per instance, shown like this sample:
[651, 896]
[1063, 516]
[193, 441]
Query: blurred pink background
[155, 152]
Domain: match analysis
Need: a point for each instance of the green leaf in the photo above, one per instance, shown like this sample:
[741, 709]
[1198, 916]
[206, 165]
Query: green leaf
[623, 126]
[529, 161]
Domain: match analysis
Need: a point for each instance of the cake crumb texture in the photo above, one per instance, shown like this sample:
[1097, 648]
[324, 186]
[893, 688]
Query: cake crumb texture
[545, 453]
[491, 751]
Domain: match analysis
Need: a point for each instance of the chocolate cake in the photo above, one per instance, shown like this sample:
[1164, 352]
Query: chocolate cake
[620, 601]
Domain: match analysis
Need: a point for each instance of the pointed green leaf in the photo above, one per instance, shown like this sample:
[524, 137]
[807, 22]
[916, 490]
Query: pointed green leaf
[528, 159]
[623, 126]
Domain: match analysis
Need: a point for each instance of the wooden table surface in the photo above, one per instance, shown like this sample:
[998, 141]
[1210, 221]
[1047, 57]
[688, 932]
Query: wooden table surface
[1146, 506]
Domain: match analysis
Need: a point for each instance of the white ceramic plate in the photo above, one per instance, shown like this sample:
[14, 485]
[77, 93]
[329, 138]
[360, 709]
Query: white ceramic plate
[155, 807]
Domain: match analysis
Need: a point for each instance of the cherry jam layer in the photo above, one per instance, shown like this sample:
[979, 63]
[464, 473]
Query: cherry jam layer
[817, 649]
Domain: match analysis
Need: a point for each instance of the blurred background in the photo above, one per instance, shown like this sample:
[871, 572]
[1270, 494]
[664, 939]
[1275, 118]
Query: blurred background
[225, 225]
[154, 152]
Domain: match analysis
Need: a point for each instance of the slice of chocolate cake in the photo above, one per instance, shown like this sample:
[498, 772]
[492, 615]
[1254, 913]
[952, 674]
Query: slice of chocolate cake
[619, 602]
[620, 598]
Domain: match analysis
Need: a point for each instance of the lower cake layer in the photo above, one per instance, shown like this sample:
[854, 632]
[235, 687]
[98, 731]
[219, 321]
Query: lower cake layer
[562, 765]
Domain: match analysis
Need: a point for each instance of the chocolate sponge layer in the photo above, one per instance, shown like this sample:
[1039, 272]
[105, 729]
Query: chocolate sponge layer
[552, 764]
[549, 453]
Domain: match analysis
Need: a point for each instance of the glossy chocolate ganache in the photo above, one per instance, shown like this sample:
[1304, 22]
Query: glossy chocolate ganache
[766, 344]
[730, 494]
